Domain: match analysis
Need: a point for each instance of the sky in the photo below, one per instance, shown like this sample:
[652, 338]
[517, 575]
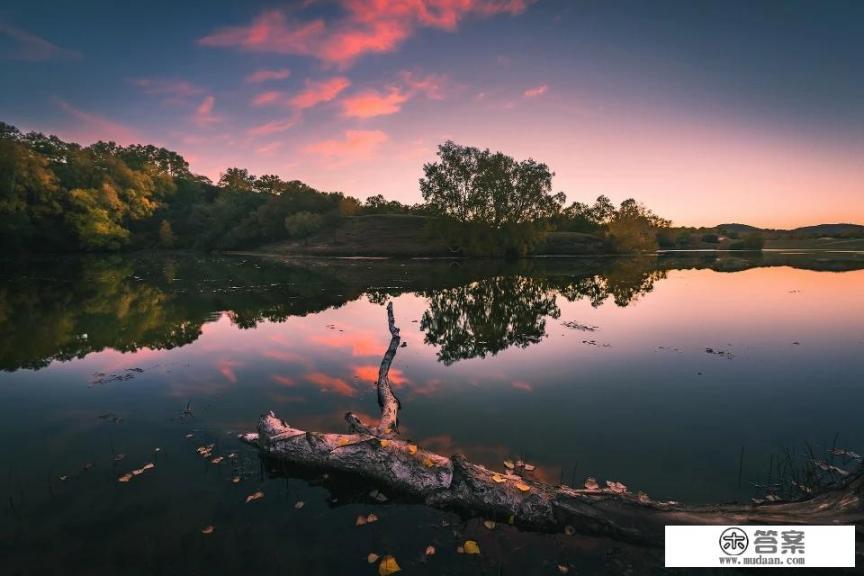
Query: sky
[708, 112]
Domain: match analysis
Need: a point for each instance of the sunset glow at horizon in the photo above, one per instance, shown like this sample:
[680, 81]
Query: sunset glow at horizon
[708, 113]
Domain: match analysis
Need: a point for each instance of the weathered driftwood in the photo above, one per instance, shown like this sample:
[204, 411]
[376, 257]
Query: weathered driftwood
[374, 452]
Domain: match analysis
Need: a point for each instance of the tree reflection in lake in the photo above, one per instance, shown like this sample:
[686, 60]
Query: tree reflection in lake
[59, 309]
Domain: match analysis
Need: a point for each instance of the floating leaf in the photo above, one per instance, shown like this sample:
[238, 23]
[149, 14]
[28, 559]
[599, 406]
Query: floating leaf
[299, 504]
[217, 460]
[430, 551]
[412, 448]
[371, 518]
[498, 479]
[591, 484]
[256, 496]
[569, 530]
[190, 435]
[388, 566]
[529, 467]
[235, 480]
[489, 524]
[125, 478]
[471, 547]
[509, 464]
[563, 569]
[616, 487]
[522, 487]
[460, 550]
[63, 478]
[207, 530]
[372, 558]
[361, 520]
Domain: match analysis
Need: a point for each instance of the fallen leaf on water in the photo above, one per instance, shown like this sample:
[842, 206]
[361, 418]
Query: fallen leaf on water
[489, 524]
[471, 547]
[190, 435]
[460, 550]
[235, 480]
[148, 466]
[563, 569]
[217, 460]
[256, 496]
[371, 518]
[529, 467]
[509, 464]
[388, 566]
[498, 479]
[372, 558]
[591, 484]
[522, 486]
[412, 448]
[430, 551]
[569, 530]
[207, 530]
[361, 520]
[157, 450]
[62, 478]
[616, 487]
[299, 504]
[125, 478]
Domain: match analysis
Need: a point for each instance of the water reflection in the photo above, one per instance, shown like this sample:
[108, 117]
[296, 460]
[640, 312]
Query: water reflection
[64, 309]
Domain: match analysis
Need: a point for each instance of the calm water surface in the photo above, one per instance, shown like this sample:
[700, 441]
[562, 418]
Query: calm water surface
[657, 372]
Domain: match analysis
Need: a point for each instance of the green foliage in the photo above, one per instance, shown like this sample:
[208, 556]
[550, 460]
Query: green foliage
[303, 224]
[752, 241]
[500, 205]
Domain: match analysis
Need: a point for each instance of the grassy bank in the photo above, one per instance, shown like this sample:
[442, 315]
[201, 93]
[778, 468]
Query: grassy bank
[407, 236]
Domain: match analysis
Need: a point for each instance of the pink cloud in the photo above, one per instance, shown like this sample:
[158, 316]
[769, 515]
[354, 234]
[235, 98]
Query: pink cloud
[355, 145]
[536, 91]
[318, 92]
[431, 85]
[522, 385]
[369, 373]
[204, 112]
[264, 98]
[171, 88]
[226, 368]
[268, 149]
[371, 103]
[268, 75]
[282, 380]
[90, 127]
[272, 127]
[366, 26]
[29, 47]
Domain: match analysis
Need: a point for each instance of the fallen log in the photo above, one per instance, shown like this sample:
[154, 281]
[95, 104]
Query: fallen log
[376, 453]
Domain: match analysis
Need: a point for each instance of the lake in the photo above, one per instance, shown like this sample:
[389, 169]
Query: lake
[699, 377]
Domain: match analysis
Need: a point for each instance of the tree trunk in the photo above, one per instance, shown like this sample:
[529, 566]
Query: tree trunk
[375, 452]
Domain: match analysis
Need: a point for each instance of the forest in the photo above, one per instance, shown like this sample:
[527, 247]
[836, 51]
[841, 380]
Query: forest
[58, 196]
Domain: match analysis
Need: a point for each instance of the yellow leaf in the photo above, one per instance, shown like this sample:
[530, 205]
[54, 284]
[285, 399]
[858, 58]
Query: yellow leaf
[372, 558]
[471, 547]
[388, 566]
[489, 524]
[430, 551]
[498, 479]
[412, 448]
[428, 463]
[256, 496]
[384, 444]
[522, 486]
[207, 530]
[343, 440]
[509, 464]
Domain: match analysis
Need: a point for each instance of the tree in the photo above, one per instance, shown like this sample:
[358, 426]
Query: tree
[166, 235]
[473, 185]
[633, 228]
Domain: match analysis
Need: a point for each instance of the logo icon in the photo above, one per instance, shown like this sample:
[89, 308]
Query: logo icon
[734, 541]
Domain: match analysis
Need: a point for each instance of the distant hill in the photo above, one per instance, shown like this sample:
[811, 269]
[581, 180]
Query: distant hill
[848, 230]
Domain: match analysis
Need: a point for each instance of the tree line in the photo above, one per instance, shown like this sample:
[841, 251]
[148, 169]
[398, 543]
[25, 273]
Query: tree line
[58, 196]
